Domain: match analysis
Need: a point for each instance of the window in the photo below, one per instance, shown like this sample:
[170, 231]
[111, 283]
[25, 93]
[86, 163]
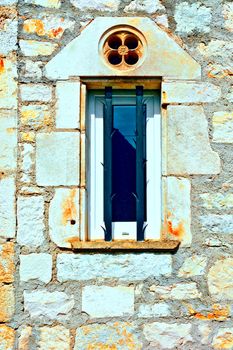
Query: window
[124, 168]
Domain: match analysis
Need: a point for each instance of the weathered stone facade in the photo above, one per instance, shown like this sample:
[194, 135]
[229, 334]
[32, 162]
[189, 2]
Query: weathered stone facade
[53, 297]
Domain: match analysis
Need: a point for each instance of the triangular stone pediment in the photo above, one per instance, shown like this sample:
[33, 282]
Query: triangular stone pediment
[82, 57]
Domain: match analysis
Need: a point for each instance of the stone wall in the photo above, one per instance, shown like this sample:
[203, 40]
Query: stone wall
[54, 298]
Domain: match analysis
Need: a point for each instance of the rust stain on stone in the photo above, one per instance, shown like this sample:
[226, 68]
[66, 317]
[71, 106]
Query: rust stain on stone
[219, 313]
[69, 210]
[2, 66]
[178, 231]
[55, 32]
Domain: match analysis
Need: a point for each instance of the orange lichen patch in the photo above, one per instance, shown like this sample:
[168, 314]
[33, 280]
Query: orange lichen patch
[7, 266]
[219, 313]
[6, 302]
[2, 66]
[69, 210]
[34, 26]
[55, 32]
[7, 337]
[224, 341]
[101, 346]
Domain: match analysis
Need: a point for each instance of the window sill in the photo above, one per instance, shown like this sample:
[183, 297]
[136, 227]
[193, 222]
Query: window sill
[126, 245]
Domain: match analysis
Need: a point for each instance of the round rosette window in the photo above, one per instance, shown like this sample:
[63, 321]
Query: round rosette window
[124, 49]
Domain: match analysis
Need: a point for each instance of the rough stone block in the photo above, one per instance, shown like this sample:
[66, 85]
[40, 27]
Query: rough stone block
[217, 200]
[189, 150]
[45, 3]
[57, 337]
[223, 127]
[48, 26]
[57, 158]
[220, 279]
[7, 302]
[228, 15]
[36, 266]
[154, 310]
[220, 48]
[24, 338]
[64, 217]
[68, 105]
[36, 92]
[104, 301]
[28, 136]
[7, 338]
[130, 267]
[179, 291]
[187, 92]
[53, 305]
[7, 266]
[27, 162]
[223, 339]
[31, 70]
[178, 210]
[193, 266]
[192, 18]
[168, 335]
[7, 207]
[35, 48]
[36, 116]
[8, 144]
[217, 223]
[8, 32]
[31, 228]
[147, 6]
[8, 85]
[107, 336]
[101, 5]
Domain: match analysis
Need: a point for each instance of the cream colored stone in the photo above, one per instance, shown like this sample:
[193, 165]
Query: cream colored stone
[193, 266]
[7, 302]
[53, 305]
[32, 70]
[36, 116]
[148, 6]
[205, 331]
[188, 147]
[187, 92]
[104, 301]
[221, 48]
[154, 310]
[8, 35]
[57, 337]
[8, 144]
[27, 162]
[96, 5]
[24, 338]
[68, 105]
[37, 48]
[192, 18]
[165, 57]
[228, 15]
[107, 336]
[220, 279]
[36, 92]
[223, 339]
[49, 26]
[178, 210]
[179, 291]
[36, 267]
[8, 85]
[7, 265]
[45, 3]
[223, 127]
[64, 217]
[168, 335]
[7, 338]
[217, 200]
[7, 207]
[57, 158]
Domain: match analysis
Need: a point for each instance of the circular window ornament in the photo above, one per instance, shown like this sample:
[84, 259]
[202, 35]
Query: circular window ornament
[123, 48]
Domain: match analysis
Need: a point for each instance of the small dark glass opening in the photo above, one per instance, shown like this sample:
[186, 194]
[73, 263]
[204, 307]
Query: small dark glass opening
[131, 42]
[114, 58]
[131, 58]
[114, 42]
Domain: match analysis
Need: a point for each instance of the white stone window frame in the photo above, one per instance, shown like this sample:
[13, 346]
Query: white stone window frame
[167, 67]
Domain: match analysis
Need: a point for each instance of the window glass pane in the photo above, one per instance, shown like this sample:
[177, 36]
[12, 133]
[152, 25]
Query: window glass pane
[124, 163]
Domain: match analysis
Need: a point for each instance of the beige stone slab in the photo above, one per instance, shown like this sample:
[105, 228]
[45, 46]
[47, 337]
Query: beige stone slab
[57, 337]
[223, 127]
[7, 207]
[7, 337]
[7, 265]
[188, 146]
[7, 302]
